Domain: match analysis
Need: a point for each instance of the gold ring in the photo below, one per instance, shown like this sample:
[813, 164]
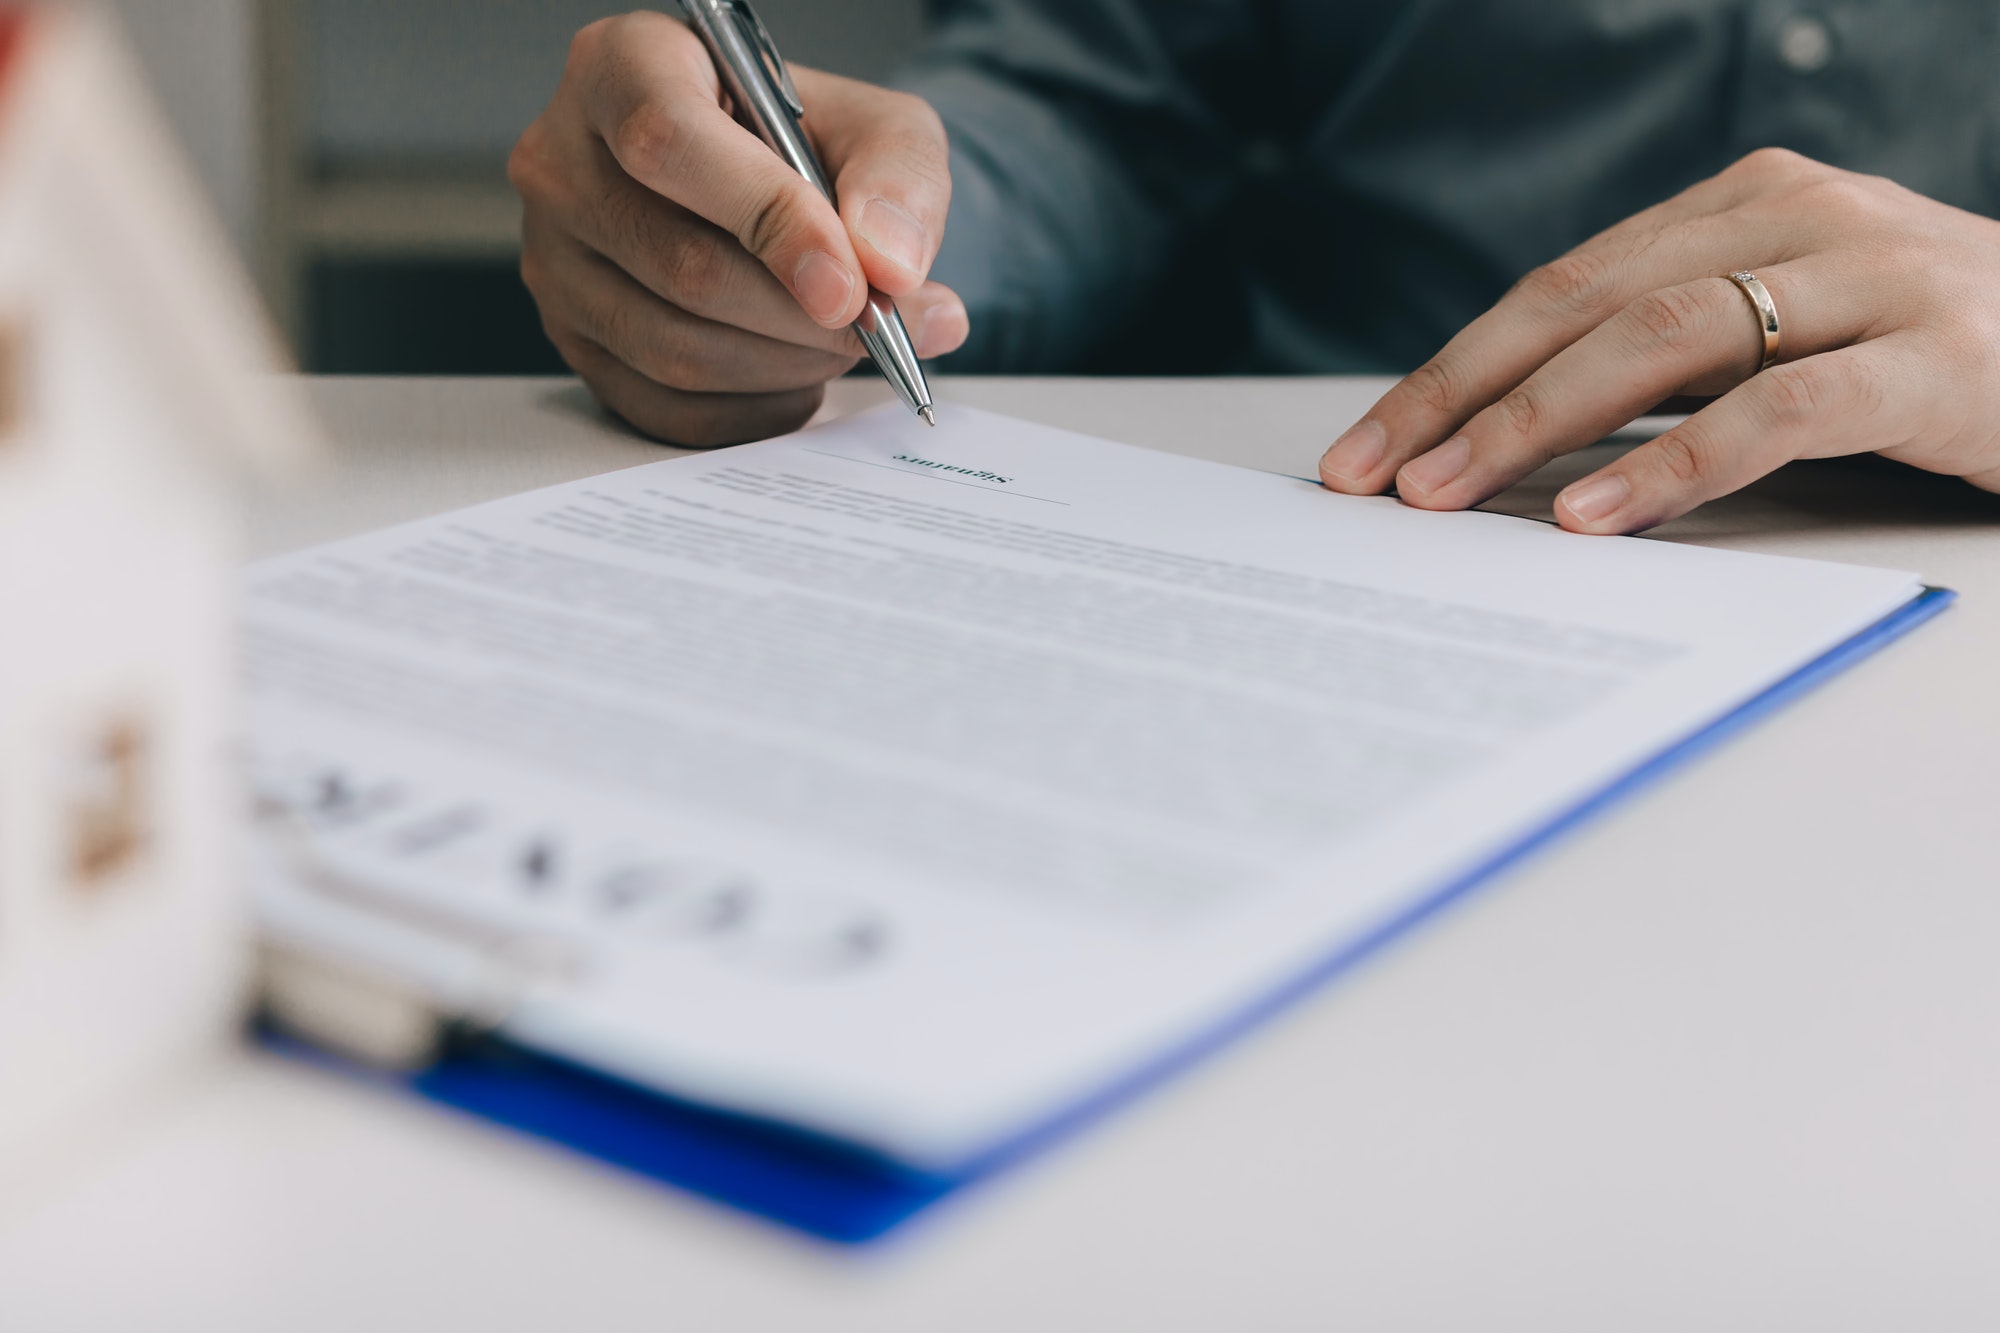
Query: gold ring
[1767, 312]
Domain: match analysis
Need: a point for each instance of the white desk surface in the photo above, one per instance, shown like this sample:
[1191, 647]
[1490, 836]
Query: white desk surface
[1727, 1058]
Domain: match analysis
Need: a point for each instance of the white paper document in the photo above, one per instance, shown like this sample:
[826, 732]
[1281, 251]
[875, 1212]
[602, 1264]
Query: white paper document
[914, 785]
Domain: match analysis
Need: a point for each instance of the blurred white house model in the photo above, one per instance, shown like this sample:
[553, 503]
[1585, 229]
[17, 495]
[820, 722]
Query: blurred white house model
[134, 388]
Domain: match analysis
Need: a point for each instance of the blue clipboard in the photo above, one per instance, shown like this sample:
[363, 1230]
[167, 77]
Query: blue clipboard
[842, 1193]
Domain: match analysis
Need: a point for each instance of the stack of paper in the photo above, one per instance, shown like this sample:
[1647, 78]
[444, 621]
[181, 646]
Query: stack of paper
[916, 788]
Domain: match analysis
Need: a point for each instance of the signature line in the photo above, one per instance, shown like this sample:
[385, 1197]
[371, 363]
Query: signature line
[932, 476]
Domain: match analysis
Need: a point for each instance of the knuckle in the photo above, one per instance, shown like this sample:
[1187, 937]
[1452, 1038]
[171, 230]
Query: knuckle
[1798, 393]
[1771, 159]
[526, 163]
[533, 270]
[1682, 457]
[1870, 386]
[1435, 386]
[615, 35]
[543, 175]
[1579, 283]
[769, 222]
[1843, 195]
[604, 373]
[1523, 412]
[775, 219]
[1672, 319]
[694, 271]
[610, 325]
[918, 111]
[922, 126]
[572, 350]
[565, 344]
[589, 42]
[1777, 164]
[624, 329]
[1893, 200]
[578, 364]
[647, 136]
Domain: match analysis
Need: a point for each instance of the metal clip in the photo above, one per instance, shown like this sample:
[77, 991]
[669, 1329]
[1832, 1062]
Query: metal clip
[368, 1011]
[760, 37]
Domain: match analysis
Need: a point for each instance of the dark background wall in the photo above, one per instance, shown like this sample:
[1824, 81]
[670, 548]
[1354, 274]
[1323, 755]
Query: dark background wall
[421, 91]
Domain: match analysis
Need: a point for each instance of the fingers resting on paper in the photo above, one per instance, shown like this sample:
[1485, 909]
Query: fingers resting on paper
[1885, 346]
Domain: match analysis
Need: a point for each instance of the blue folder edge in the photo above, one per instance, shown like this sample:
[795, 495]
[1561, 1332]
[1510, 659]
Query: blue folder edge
[845, 1194]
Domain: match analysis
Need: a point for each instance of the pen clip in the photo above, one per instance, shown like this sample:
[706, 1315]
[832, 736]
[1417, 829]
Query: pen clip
[767, 53]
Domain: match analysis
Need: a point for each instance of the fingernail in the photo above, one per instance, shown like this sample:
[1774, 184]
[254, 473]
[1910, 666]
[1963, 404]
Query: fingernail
[1596, 497]
[1437, 469]
[1357, 452]
[895, 233]
[824, 286]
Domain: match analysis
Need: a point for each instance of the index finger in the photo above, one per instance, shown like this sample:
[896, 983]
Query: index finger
[892, 172]
[652, 94]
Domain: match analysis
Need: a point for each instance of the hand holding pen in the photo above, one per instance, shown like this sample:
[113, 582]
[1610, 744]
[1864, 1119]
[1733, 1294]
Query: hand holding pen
[702, 286]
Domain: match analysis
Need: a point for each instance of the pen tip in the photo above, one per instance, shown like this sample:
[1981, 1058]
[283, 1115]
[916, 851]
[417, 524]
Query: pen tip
[930, 417]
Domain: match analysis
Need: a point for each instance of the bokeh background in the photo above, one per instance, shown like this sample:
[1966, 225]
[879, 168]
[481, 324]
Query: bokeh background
[357, 150]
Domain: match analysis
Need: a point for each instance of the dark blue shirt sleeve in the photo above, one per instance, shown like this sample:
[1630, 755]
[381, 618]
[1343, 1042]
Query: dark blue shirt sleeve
[1081, 156]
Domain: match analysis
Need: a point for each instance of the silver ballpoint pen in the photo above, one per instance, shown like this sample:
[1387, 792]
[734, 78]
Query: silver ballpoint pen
[768, 104]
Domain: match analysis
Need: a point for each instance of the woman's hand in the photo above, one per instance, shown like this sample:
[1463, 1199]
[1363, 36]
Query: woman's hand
[1889, 311]
[700, 286]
